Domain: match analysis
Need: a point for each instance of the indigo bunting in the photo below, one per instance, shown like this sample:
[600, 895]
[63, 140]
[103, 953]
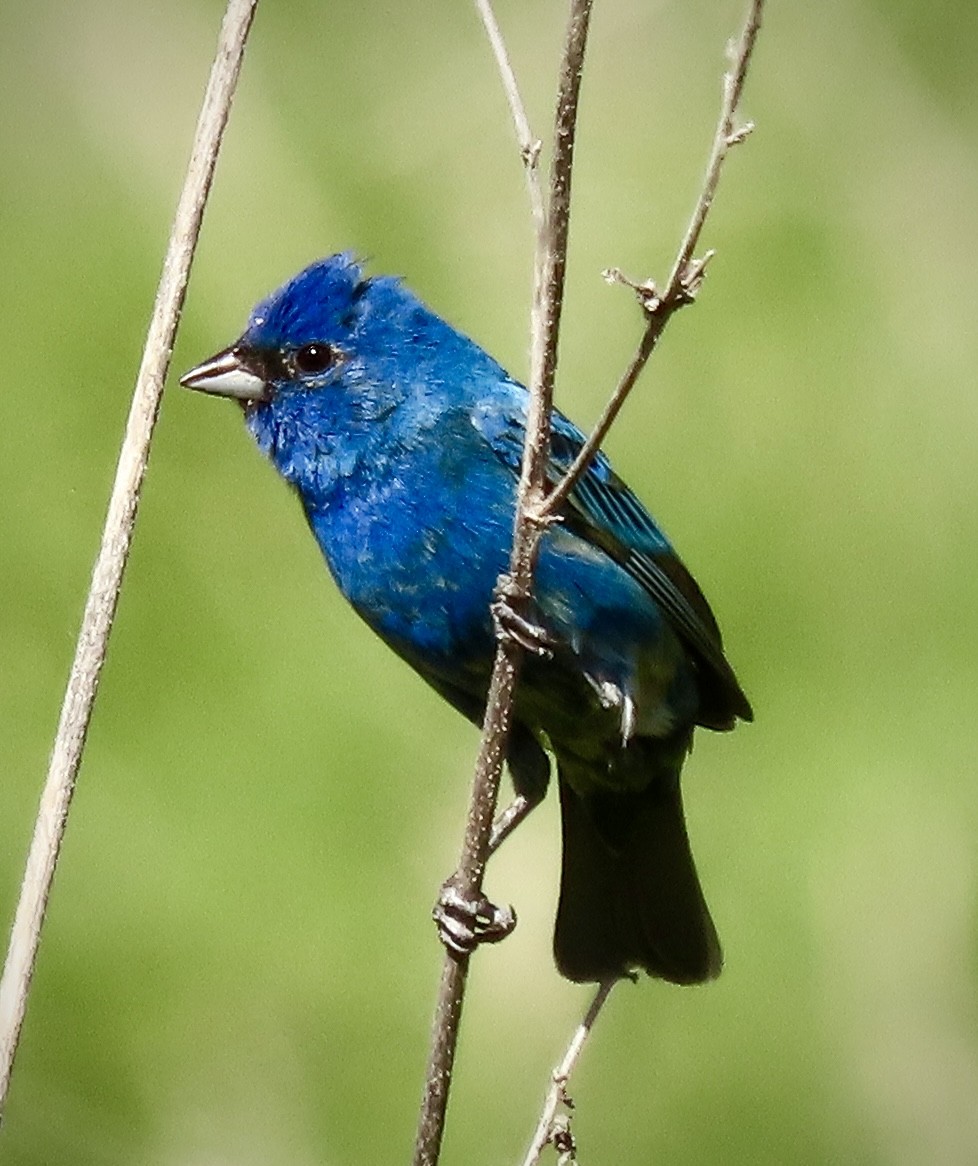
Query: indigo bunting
[403, 440]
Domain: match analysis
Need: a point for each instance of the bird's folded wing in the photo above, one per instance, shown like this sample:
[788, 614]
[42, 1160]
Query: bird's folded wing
[605, 512]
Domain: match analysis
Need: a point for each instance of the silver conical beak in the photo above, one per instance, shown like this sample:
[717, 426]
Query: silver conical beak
[227, 375]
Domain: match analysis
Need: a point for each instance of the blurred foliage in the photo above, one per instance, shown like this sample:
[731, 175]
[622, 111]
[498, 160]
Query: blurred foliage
[238, 967]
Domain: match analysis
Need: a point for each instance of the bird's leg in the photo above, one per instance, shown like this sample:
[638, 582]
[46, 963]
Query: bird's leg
[464, 923]
[529, 767]
[510, 625]
[510, 818]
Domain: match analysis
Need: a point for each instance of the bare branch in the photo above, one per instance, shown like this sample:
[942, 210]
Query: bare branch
[529, 145]
[549, 302]
[69, 743]
[549, 269]
[724, 139]
[687, 274]
[550, 1128]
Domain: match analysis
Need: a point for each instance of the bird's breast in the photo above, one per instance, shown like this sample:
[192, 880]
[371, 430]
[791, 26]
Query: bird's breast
[417, 553]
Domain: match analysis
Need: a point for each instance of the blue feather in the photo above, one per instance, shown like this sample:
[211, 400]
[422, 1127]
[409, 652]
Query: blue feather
[403, 440]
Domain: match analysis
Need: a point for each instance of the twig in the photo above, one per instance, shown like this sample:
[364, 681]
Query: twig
[549, 270]
[684, 281]
[69, 742]
[529, 146]
[546, 1130]
[687, 274]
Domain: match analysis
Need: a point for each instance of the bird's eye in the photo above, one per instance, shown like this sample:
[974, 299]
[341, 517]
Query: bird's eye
[313, 358]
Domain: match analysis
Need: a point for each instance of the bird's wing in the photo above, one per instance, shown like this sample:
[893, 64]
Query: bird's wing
[605, 512]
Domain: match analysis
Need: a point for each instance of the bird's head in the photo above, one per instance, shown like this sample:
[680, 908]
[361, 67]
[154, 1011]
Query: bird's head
[321, 360]
[297, 341]
[332, 353]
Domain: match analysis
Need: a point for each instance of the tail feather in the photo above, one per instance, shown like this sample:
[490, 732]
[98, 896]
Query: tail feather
[629, 894]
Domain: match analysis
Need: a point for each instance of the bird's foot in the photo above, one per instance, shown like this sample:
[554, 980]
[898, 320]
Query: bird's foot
[464, 923]
[510, 625]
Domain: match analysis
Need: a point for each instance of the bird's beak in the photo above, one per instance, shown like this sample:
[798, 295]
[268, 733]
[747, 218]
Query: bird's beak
[235, 373]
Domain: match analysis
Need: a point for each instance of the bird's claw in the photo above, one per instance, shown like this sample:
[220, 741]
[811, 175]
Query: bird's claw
[464, 923]
[510, 625]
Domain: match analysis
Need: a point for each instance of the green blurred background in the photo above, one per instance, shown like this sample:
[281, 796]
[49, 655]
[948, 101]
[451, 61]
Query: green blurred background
[238, 966]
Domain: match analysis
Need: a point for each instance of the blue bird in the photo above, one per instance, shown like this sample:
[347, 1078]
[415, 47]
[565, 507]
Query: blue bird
[403, 439]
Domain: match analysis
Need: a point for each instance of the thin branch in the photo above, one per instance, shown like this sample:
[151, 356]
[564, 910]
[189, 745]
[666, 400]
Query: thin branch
[684, 281]
[687, 274]
[548, 1129]
[529, 145]
[549, 271]
[69, 742]
[548, 305]
[726, 136]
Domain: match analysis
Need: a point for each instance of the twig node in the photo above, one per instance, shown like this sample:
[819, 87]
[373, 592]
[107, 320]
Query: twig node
[645, 290]
[741, 134]
[531, 154]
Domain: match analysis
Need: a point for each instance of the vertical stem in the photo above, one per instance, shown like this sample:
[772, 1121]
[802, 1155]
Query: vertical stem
[550, 267]
[441, 1060]
[107, 576]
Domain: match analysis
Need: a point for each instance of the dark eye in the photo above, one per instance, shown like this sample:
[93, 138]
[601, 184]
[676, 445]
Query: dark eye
[312, 358]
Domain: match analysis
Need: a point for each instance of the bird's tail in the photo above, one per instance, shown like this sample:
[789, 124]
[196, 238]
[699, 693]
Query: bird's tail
[629, 893]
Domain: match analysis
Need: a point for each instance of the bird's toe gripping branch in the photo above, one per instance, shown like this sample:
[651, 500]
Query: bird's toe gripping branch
[464, 923]
[511, 625]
